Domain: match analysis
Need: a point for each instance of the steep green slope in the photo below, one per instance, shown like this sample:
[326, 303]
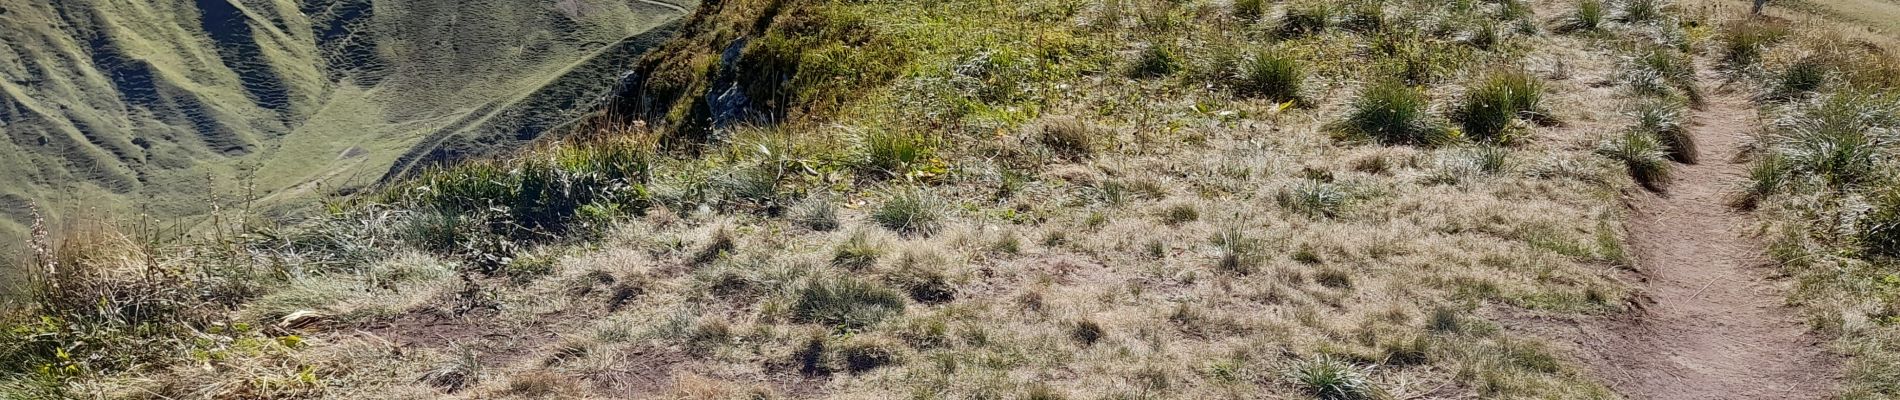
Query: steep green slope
[157, 105]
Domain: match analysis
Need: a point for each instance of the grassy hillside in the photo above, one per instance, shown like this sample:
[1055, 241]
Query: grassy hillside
[163, 107]
[1041, 199]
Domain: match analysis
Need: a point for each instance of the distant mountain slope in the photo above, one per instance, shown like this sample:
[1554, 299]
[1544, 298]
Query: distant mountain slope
[160, 103]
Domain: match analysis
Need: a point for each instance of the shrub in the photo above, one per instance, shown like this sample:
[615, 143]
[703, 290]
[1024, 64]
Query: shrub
[1643, 154]
[1154, 61]
[1743, 41]
[1392, 112]
[1488, 110]
[844, 302]
[886, 154]
[1306, 18]
[1276, 77]
[1331, 379]
[910, 211]
[1665, 120]
[1314, 198]
[1588, 17]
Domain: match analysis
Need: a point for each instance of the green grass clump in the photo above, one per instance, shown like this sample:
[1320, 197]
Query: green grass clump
[1803, 77]
[1364, 17]
[534, 198]
[886, 154]
[1837, 138]
[1306, 18]
[857, 252]
[922, 277]
[1663, 72]
[1743, 42]
[1314, 198]
[1589, 16]
[1070, 137]
[1239, 254]
[863, 353]
[1665, 119]
[1154, 61]
[1180, 213]
[1645, 157]
[817, 213]
[1249, 10]
[910, 211]
[1327, 378]
[844, 302]
[1768, 176]
[1276, 77]
[1640, 11]
[1393, 112]
[1489, 109]
[1880, 232]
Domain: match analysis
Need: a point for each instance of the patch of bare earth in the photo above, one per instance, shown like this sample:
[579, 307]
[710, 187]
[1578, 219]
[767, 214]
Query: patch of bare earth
[1712, 322]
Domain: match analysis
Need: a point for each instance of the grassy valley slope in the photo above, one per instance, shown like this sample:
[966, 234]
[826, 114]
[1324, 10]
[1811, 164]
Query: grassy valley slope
[161, 104]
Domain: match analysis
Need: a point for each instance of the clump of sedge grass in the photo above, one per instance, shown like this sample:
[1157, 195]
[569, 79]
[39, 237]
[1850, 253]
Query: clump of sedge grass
[1805, 76]
[1837, 139]
[1664, 120]
[1767, 176]
[1327, 378]
[857, 252]
[1644, 155]
[1249, 10]
[1744, 41]
[1640, 11]
[1880, 232]
[1306, 18]
[844, 302]
[1501, 99]
[817, 213]
[1660, 71]
[1587, 17]
[1069, 137]
[910, 211]
[1154, 61]
[887, 154]
[1390, 111]
[1276, 77]
[1314, 198]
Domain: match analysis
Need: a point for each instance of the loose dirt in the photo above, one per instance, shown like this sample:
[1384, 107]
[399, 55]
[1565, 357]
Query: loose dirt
[1712, 324]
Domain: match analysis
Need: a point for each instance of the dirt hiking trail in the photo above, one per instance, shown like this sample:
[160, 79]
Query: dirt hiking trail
[1712, 325]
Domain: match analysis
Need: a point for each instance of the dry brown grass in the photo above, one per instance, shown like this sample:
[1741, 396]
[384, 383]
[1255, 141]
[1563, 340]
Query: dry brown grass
[1152, 259]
